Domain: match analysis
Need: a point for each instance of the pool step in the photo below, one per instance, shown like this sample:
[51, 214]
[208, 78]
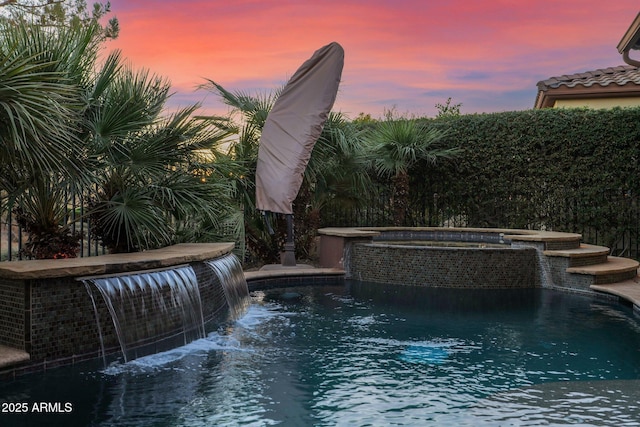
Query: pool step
[628, 290]
[583, 255]
[584, 266]
[614, 270]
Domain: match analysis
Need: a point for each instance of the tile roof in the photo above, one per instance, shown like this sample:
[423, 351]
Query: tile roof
[620, 75]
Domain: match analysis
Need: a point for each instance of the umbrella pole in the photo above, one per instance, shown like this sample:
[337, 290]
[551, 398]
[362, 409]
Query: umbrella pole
[289, 258]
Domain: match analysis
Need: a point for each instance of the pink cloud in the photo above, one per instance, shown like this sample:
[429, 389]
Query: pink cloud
[393, 49]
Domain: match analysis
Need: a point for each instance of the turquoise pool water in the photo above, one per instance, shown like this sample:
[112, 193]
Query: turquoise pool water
[363, 354]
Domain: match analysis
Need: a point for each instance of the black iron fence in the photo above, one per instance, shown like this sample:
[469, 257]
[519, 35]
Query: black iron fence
[610, 218]
[13, 237]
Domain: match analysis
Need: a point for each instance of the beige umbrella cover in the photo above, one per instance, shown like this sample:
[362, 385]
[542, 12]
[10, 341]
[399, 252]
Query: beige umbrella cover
[293, 126]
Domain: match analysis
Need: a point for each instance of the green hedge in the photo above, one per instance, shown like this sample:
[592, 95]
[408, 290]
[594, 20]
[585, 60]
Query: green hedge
[559, 169]
[563, 169]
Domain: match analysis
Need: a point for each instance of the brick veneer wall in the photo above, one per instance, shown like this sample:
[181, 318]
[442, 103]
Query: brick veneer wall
[445, 266]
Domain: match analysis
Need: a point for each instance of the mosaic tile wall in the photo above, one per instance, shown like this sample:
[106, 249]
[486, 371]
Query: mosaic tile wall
[564, 280]
[55, 322]
[292, 281]
[442, 235]
[63, 322]
[445, 266]
[12, 313]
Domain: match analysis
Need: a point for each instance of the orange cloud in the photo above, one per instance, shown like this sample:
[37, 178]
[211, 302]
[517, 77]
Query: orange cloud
[394, 51]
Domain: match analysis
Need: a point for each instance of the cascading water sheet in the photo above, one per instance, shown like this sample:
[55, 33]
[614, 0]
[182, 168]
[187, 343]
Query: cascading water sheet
[152, 310]
[229, 272]
[159, 310]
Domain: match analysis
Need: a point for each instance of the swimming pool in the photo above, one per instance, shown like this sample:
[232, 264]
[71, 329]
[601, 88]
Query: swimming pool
[370, 354]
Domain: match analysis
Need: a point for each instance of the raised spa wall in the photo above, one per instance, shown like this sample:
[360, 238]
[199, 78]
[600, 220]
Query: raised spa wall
[475, 258]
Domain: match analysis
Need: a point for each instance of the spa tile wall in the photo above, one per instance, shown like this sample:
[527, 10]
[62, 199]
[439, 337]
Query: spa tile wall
[442, 266]
[54, 319]
[441, 235]
[63, 322]
[12, 313]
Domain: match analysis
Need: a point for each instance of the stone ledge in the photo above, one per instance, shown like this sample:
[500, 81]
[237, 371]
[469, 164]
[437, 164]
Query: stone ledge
[348, 232]
[511, 234]
[628, 290]
[291, 272]
[12, 356]
[541, 236]
[583, 251]
[113, 263]
[612, 266]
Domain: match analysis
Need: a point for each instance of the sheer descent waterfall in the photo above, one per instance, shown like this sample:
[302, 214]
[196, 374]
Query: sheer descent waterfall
[158, 310]
[229, 272]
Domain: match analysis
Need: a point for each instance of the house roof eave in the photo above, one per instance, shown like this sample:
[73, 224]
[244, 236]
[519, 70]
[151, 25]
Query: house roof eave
[631, 38]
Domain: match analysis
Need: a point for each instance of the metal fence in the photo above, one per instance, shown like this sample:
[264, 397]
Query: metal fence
[610, 219]
[13, 238]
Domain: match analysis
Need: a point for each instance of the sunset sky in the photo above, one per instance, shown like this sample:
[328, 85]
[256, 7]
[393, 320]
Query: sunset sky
[402, 54]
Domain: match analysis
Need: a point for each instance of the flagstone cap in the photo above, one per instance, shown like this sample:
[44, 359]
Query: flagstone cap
[183, 253]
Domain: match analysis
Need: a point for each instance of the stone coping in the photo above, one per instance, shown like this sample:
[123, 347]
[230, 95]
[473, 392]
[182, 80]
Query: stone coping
[113, 263]
[280, 271]
[12, 356]
[628, 290]
[584, 251]
[510, 234]
[613, 265]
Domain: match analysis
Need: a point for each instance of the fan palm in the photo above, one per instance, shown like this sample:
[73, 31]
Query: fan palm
[39, 104]
[41, 151]
[151, 176]
[398, 144]
[239, 163]
[335, 172]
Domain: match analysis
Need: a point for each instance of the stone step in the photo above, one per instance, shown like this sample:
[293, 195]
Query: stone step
[10, 356]
[584, 255]
[552, 240]
[614, 270]
[628, 290]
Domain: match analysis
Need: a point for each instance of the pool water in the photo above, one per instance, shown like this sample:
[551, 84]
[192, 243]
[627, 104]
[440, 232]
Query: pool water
[366, 354]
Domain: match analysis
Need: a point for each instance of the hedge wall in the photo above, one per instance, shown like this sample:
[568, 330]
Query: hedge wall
[559, 169]
[563, 169]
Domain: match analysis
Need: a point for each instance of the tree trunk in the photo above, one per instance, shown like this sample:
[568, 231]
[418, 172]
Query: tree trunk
[400, 198]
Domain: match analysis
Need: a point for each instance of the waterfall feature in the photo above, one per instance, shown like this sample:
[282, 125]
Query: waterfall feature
[229, 272]
[158, 310]
[544, 269]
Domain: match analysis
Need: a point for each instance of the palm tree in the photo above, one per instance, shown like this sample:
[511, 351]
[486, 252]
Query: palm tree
[152, 176]
[336, 175]
[398, 144]
[238, 164]
[69, 125]
[39, 103]
[41, 153]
